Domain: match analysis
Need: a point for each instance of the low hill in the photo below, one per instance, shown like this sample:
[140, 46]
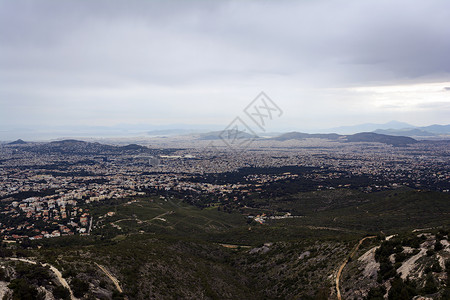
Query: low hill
[368, 137]
[226, 134]
[77, 147]
[301, 136]
[134, 147]
[371, 137]
[405, 132]
[18, 142]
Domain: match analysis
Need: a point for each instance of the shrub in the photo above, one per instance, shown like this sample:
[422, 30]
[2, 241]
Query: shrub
[430, 285]
[376, 293]
[79, 287]
[402, 289]
[61, 292]
[23, 290]
[436, 268]
[438, 246]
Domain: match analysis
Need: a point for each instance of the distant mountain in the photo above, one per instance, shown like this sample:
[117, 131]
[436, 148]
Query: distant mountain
[405, 132]
[395, 128]
[437, 129]
[424, 131]
[18, 142]
[301, 136]
[370, 127]
[369, 137]
[226, 134]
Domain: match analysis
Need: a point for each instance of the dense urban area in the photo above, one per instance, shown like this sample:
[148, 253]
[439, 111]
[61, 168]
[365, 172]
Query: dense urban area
[46, 188]
[298, 216]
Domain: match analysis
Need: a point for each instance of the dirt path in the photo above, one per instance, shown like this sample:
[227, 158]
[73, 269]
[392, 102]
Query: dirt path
[160, 216]
[58, 274]
[124, 220]
[230, 246]
[341, 267]
[325, 228]
[110, 276]
[144, 221]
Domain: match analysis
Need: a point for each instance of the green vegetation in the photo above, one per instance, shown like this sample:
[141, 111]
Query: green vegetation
[163, 248]
[79, 287]
[23, 290]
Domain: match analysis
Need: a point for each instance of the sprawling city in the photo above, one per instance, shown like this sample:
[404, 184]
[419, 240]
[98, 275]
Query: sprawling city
[89, 190]
[46, 188]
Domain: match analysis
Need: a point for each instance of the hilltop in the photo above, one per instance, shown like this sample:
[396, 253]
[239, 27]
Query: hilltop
[78, 147]
[18, 142]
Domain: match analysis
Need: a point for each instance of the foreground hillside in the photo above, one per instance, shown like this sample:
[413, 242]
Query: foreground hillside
[163, 248]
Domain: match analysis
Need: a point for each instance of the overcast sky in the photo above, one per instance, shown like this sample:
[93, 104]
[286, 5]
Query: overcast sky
[324, 63]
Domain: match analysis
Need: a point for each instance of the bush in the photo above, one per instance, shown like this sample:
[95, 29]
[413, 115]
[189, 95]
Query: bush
[386, 271]
[2, 274]
[36, 274]
[117, 296]
[376, 293]
[4, 252]
[322, 294]
[436, 268]
[402, 289]
[438, 246]
[430, 285]
[23, 290]
[443, 232]
[69, 272]
[79, 287]
[61, 292]
[400, 257]
[446, 294]
[103, 284]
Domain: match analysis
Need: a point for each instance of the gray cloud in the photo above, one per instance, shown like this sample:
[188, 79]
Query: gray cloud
[66, 57]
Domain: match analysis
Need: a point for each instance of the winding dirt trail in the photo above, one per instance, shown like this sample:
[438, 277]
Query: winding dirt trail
[110, 276]
[58, 274]
[341, 267]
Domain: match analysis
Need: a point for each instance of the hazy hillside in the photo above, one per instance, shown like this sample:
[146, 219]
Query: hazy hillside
[368, 137]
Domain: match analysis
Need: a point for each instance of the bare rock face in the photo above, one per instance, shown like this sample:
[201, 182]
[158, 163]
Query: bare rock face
[371, 266]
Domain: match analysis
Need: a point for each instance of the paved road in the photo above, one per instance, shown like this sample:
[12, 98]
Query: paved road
[341, 268]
